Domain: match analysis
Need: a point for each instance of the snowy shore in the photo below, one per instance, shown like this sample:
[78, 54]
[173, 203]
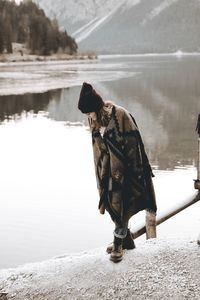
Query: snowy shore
[22, 54]
[156, 269]
[17, 57]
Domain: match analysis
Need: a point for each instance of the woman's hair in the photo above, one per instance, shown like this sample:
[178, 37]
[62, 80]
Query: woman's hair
[103, 116]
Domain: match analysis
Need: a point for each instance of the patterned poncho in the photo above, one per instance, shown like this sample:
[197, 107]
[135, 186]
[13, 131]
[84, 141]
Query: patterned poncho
[122, 168]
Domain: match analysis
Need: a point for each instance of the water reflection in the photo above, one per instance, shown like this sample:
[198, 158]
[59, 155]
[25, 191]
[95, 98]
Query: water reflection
[163, 96]
[13, 106]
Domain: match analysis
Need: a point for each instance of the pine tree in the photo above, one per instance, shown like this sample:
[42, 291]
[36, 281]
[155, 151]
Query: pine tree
[8, 36]
[27, 23]
[1, 36]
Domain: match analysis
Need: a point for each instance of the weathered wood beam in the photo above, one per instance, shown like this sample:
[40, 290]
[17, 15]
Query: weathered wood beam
[140, 231]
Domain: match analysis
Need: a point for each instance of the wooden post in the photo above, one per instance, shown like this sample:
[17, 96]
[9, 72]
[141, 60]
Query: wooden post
[141, 230]
[197, 181]
[150, 225]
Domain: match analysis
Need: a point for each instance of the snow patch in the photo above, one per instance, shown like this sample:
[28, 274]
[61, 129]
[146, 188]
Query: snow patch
[80, 11]
[84, 27]
[130, 3]
[177, 53]
[85, 31]
[157, 10]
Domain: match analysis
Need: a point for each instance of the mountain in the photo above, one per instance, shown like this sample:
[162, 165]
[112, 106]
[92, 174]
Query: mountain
[125, 26]
[73, 14]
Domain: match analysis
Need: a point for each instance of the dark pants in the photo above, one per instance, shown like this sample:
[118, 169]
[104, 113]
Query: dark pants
[120, 229]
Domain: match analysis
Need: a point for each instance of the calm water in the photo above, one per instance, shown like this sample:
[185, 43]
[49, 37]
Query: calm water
[48, 189]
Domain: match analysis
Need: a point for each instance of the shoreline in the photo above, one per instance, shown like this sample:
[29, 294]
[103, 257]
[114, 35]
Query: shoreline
[156, 269]
[17, 57]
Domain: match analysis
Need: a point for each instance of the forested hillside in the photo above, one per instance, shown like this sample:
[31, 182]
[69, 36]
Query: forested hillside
[27, 23]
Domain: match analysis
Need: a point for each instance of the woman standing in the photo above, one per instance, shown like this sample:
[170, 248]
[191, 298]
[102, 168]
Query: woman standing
[122, 168]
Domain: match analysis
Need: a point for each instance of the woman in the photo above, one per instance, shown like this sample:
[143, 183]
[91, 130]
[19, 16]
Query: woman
[122, 168]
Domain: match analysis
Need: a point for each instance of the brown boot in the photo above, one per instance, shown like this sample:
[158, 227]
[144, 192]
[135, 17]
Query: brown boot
[109, 248]
[117, 250]
[128, 243]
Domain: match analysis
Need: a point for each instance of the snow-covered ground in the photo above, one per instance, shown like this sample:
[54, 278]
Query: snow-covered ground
[156, 269]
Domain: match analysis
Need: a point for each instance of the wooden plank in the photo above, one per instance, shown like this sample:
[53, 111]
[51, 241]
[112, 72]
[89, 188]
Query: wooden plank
[140, 231]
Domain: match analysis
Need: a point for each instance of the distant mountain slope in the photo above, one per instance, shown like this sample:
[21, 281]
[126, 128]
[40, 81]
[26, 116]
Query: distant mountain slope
[137, 26]
[73, 14]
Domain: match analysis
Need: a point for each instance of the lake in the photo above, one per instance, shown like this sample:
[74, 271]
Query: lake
[48, 189]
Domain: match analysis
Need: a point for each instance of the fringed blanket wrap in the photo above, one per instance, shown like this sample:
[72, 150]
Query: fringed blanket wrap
[122, 168]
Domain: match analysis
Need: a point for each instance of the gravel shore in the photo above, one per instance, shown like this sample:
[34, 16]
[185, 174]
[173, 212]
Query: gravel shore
[156, 269]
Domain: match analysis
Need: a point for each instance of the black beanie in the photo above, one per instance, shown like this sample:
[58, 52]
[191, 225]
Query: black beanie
[89, 100]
